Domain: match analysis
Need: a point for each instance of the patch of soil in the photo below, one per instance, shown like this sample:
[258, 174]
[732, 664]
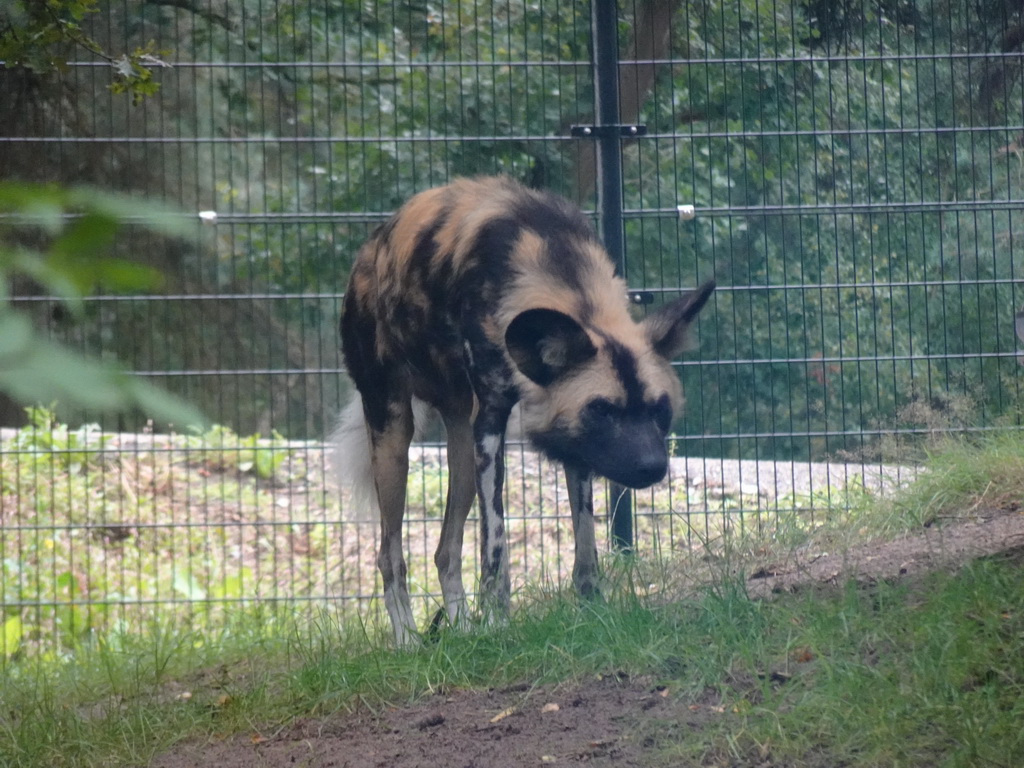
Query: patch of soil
[987, 533]
[599, 722]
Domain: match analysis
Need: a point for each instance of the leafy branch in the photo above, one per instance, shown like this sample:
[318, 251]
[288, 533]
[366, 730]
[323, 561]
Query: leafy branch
[38, 36]
[79, 226]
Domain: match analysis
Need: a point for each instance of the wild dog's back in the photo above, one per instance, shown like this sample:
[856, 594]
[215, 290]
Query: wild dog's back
[462, 258]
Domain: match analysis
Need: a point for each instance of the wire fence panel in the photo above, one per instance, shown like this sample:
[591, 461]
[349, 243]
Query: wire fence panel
[849, 173]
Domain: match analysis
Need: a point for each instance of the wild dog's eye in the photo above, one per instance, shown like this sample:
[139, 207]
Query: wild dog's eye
[661, 413]
[601, 409]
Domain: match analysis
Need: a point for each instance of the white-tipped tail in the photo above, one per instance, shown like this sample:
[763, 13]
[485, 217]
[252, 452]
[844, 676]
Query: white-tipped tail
[350, 461]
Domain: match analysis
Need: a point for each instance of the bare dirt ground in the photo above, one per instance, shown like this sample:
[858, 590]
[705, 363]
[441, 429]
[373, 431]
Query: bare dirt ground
[609, 721]
[987, 533]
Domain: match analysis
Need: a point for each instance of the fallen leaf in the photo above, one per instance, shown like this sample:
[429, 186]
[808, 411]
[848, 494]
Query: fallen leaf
[548, 758]
[552, 707]
[256, 739]
[503, 714]
[802, 654]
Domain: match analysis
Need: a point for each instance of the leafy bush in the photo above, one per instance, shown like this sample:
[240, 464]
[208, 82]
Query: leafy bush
[78, 227]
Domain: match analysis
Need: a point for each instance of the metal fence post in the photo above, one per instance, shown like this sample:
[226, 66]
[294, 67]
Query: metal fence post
[609, 132]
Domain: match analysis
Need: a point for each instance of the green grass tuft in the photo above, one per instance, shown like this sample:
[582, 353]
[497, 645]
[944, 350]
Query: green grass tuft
[965, 474]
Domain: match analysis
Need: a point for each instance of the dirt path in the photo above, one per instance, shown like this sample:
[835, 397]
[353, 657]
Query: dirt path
[987, 533]
[600, 722]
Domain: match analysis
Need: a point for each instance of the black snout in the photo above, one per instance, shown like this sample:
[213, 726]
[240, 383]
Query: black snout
[628, 451]
[636, 456]
[640, 471]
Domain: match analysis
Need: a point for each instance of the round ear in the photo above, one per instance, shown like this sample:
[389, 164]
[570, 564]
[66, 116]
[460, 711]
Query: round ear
[545, 344]
[667, 328]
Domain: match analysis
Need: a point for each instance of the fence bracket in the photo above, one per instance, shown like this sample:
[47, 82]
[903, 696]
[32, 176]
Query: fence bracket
[627, 131]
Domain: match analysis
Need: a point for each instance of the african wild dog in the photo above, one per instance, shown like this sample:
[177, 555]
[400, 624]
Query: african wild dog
[477, 296]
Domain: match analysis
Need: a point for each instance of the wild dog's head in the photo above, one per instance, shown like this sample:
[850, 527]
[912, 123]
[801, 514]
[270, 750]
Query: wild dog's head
[603, 399]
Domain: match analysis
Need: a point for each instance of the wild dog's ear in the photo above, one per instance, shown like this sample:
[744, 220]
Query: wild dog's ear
[545, 344]
[667, 328]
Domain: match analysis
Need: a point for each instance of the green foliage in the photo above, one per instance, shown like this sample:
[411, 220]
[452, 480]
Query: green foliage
[11, 639]
[866, 253]
[68, 449]
[92, 542]
[852, 189]
[78, 226]
[35, 34]
[395, 79]
[223, 449]
[41, 35]
[134, 72]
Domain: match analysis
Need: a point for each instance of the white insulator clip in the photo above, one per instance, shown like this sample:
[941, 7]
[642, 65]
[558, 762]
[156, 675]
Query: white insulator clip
[686, 212]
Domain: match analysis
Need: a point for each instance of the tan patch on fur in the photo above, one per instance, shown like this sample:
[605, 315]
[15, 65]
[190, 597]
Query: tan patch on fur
[476, 202]
[416, 215]
[562, 403]
[532, 287]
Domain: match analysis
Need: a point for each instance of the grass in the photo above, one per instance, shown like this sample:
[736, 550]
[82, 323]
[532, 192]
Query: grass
[965, 474]
[881, 677]
[925, 673]
[932, 675]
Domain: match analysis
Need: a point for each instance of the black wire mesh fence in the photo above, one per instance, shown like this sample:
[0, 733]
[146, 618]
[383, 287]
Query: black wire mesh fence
[850, 174]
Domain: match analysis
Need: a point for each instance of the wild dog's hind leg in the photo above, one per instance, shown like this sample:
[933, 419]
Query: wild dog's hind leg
[581, 503]
[461, 488]
[390, 458]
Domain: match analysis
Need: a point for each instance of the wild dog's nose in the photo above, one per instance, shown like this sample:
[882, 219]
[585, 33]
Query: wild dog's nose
[650, 471]
[647, 469]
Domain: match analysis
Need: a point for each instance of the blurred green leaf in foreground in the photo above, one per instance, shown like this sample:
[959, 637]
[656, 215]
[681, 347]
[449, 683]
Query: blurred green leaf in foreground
[72, 233]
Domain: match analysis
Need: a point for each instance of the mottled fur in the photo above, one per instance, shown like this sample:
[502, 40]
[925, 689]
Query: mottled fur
[480, 295]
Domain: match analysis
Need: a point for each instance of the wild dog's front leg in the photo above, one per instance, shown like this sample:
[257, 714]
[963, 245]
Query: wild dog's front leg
[390, 460]
[585, 573]
[461, 488]
[495, 583]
